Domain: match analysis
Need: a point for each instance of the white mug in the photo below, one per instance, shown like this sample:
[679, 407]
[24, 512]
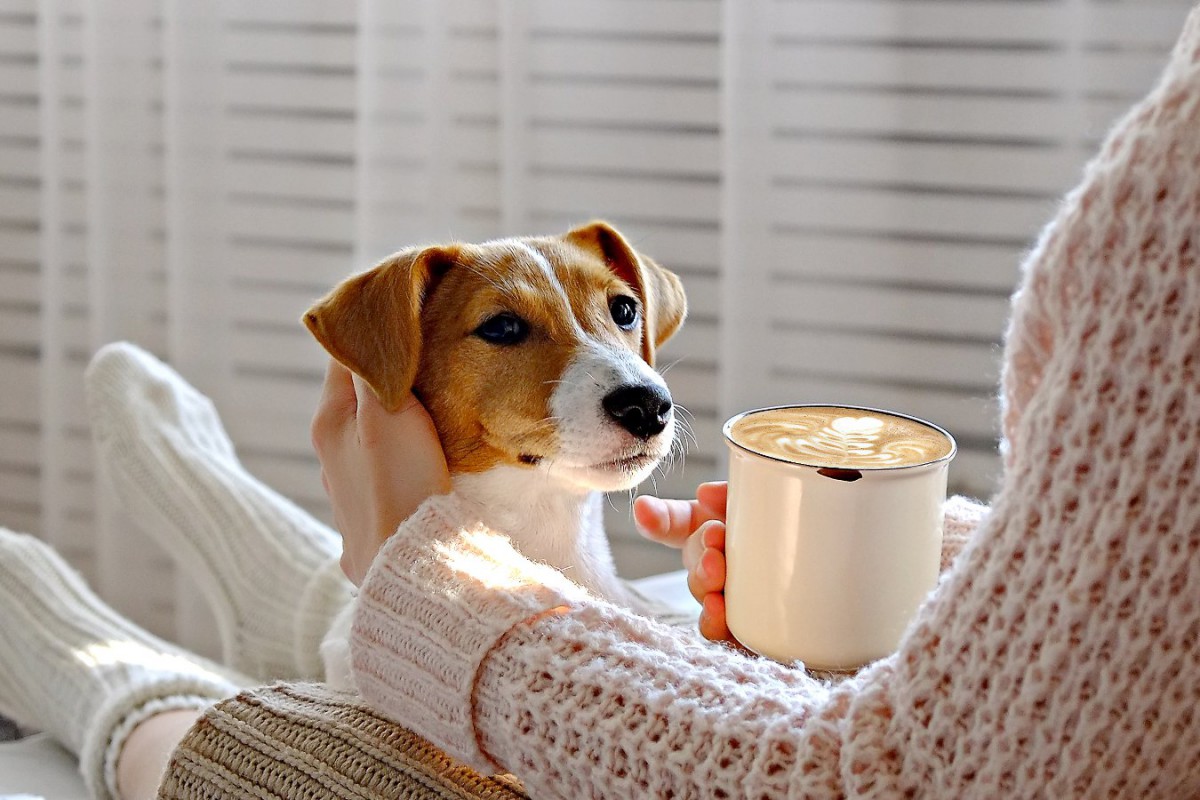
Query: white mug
[833, 537]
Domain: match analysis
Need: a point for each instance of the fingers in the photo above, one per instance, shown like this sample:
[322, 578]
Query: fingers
[714, 498]
[368, 403]
[713, 624]
[338, 389]
[671, 522]
[709, 536]
[337, 406]
[666, 521]
[712, 618]
[704, 559]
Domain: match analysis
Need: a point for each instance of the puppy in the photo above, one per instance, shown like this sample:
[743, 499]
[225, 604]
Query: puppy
[534, 357]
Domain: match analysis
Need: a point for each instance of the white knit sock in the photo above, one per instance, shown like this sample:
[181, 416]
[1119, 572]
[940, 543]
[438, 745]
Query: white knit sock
[268, 568]
[73, 667]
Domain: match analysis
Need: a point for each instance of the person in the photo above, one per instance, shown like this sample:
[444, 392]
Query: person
[1058, 656]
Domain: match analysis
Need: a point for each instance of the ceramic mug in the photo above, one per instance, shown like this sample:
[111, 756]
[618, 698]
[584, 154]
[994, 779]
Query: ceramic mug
[834, 530]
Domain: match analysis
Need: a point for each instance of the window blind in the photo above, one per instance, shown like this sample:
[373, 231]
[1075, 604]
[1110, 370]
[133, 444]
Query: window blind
[887, 165]
[20, 429]
[846, 188]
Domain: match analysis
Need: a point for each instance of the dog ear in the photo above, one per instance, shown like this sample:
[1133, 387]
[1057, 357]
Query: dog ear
[371, 322]
[664, 304]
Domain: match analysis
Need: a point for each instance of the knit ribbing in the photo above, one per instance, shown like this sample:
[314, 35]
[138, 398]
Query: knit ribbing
[268, 569]
[430, 658]
[430, 611]
[306, 742]
[73, 667]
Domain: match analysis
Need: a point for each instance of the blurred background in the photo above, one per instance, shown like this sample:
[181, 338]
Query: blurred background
[846, 187]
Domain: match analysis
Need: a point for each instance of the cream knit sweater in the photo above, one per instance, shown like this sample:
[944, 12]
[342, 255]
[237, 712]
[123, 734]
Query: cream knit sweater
[1058, 657]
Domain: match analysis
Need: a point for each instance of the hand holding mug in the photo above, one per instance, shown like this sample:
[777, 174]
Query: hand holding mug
[697, 528]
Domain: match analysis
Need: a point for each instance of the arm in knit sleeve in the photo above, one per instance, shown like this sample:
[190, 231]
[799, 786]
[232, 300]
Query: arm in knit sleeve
[1058, 657]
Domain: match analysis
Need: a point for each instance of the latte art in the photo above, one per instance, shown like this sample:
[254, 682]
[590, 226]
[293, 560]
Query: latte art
[840, 437]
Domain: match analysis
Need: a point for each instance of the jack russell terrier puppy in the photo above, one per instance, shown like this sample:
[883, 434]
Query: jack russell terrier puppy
[534, 357]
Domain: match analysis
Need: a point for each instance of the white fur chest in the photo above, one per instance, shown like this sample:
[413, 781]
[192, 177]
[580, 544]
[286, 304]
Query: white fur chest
[547, 522]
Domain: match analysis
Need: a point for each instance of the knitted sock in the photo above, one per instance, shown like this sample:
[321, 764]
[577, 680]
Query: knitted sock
[269, 570]
[73, 667]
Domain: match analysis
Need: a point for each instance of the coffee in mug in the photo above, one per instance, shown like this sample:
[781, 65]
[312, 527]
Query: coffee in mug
[834, 530]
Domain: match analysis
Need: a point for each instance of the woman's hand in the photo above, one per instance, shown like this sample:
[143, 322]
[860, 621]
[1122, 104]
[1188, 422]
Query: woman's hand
[376, 466]
[698, 528]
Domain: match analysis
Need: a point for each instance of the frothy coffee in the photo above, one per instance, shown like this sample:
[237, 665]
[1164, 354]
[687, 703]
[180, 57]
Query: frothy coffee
[840, 437]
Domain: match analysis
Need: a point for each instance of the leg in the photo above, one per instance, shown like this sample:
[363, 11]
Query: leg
[147, 751]
[73, 667]
[269, 570]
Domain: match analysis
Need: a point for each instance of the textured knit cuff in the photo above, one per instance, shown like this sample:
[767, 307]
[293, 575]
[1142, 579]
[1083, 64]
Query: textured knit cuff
[439, 596]
[307, 742]
[117, 718]
[963, 517]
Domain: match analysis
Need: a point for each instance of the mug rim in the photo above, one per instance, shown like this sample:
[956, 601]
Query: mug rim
[729, 423]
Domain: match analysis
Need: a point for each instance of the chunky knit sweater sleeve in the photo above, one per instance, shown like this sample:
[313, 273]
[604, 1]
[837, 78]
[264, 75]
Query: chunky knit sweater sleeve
[1058, 657]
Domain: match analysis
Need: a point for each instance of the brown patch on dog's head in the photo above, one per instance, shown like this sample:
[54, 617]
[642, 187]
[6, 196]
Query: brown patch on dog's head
[664, 303]
[482, 333]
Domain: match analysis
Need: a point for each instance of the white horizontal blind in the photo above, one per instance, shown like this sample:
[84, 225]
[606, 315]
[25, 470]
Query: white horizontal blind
[103, 272]
[888, 163]
[20, 180]
[261, 125]
[282, 78]
[846, 188]
[429, 141]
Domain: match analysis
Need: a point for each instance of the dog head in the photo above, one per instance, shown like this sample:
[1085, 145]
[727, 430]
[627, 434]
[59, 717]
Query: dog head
[535, 353]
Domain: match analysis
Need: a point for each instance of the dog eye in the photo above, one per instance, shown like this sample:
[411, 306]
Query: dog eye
[506, 328]
[624, 311]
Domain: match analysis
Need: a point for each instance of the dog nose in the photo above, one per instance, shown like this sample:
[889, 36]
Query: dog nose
[641, 409]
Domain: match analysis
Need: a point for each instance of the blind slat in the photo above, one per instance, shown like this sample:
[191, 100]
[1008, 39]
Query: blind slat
[888, 357]
[963, 415]
[638, 17]
[587, 195]
[653, 61]
[878, 112]
[668, 153]
[982, 21]
[863, 259]
[912, 311]
[842, 209]
[625, 105]
[926, 164]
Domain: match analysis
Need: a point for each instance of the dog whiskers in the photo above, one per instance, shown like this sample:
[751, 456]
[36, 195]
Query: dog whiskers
[684, 430]
[667, 368]
[677, 452]
[684, 410]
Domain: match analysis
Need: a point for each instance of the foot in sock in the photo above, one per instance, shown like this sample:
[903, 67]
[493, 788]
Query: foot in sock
[269, 570]
[73, 667]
